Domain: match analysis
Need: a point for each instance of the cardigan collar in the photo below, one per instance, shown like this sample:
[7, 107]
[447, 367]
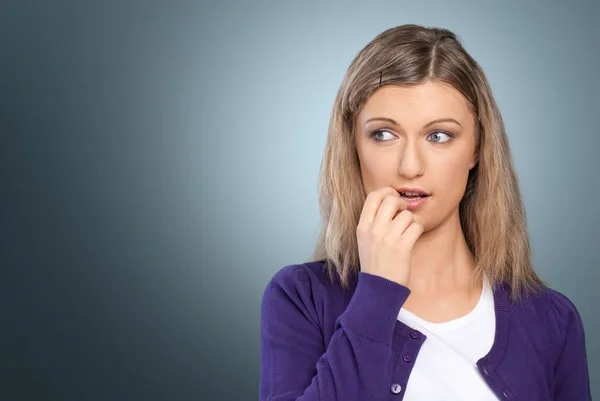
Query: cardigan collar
[502, 309]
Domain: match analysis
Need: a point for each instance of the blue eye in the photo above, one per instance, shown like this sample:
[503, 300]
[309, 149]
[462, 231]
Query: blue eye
[450, 136]
[379, 131]
[435, 133]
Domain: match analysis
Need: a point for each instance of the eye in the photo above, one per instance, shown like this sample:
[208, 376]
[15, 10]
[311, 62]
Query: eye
[376, 135]
[377, 132]
[437, 135]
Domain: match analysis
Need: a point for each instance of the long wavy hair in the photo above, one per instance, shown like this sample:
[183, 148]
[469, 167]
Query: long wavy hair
[492, 214]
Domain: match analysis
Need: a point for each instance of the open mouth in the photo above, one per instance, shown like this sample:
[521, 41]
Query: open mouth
[412, 196]
[414, 200]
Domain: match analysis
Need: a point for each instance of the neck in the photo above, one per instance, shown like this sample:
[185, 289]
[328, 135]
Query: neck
[441, 261]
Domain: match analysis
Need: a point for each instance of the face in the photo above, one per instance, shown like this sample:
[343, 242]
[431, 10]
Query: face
[399, 144]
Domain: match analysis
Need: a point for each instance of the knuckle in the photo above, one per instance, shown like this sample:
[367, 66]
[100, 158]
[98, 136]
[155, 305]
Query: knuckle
[392, 241]
[376, 235]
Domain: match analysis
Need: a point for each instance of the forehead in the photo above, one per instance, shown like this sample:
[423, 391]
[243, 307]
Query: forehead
[425, 101]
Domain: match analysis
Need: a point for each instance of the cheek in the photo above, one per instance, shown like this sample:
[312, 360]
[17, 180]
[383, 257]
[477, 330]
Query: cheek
[377, 170]
[451, 178]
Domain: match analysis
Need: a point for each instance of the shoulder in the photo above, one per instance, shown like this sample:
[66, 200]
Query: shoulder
[558, 315]
[299, 277]
[567, 347]
[547, 302]
[561, 313]
[558, 309]
[547, 321]
[298, 284]
[545, 330]
[306, 289]
[294, 299]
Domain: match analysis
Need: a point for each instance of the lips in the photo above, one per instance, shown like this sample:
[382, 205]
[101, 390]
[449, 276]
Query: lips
[414, 197]
[415, 202]
[412, 192]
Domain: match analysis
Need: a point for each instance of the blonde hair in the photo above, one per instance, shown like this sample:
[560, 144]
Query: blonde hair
[492, 214]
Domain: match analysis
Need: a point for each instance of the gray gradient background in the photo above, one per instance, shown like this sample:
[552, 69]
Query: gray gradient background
[159, 160]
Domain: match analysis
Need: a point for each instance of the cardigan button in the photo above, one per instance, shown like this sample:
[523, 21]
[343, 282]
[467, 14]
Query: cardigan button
[506, 394]
[486, 371]
[396, 388]
[407, 357]
[415, 334]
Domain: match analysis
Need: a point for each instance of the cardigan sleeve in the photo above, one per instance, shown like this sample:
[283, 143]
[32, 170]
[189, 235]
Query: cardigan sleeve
[357, 363]
[571, 376]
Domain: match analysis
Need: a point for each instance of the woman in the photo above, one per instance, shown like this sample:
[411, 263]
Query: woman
[421, 286]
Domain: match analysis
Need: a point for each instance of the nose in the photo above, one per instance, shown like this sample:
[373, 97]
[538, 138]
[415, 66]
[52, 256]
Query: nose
[411, 161]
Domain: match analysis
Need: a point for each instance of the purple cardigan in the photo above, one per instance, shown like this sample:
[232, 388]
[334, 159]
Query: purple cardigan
[320, 342]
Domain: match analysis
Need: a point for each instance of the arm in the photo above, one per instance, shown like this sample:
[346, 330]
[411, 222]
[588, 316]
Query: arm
[357, 363]
[571, 370]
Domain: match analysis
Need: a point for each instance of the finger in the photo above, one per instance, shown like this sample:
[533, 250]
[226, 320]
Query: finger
[410, 236]
[401, 222]
[386, 212]
[371, 205]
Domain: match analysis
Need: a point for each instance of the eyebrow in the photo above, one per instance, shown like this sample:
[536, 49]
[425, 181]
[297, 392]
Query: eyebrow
[439, 120]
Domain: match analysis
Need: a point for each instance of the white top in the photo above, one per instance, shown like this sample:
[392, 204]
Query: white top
[445, 367]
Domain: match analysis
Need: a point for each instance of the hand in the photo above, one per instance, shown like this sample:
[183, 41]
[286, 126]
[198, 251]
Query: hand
[386, 239]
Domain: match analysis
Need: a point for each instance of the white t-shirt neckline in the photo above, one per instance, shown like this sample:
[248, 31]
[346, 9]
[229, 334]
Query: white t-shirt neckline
[462, 321]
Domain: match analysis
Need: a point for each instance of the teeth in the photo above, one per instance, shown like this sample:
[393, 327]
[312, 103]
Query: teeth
[411, 194]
